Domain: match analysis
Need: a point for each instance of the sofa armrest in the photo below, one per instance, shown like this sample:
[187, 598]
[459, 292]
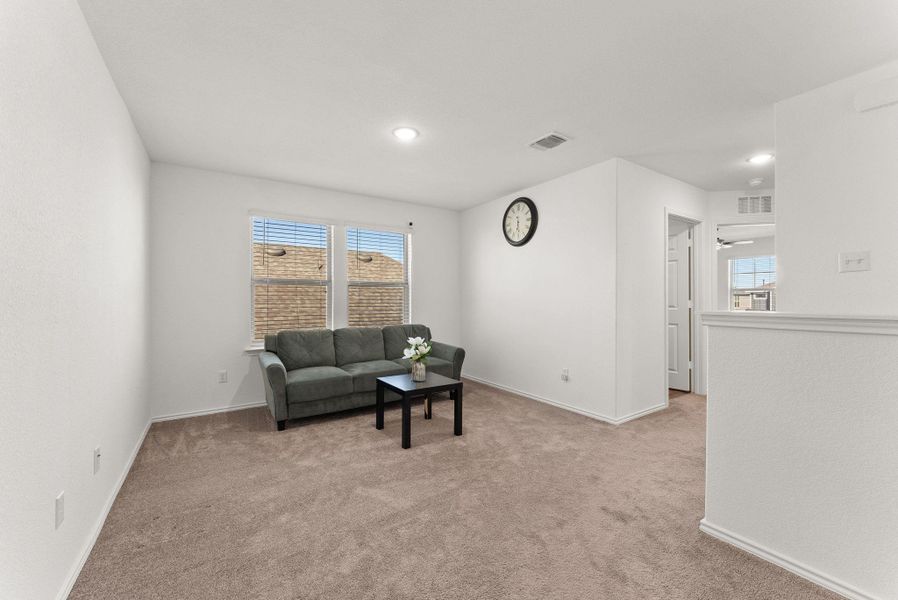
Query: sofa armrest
[453, 354]
[274, 374]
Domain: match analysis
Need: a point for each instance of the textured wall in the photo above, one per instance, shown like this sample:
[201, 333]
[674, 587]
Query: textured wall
[530, 311]
[587, 293]
[836, 192]
[802, 450]
[201, 268]
[642, 196]
[73, 303]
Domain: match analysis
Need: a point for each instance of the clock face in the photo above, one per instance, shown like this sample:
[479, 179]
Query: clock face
[519, 222]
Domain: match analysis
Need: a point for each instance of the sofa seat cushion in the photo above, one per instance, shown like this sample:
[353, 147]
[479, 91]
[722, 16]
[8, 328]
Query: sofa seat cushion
[437, 365]
[365, 374]
[317, 383]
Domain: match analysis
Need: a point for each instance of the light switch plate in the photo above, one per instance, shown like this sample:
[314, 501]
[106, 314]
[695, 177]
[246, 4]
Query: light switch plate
[854, 261]
[60, 509]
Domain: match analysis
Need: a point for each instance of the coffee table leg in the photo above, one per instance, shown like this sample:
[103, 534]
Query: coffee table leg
[379, 419]
[458, 410]
[428, 407]
[406, 421]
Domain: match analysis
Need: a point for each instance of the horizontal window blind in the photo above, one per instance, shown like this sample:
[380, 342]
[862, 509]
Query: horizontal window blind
[291, 276]
[377, 274]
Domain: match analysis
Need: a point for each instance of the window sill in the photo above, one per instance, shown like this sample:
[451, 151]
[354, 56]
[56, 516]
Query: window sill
[254, 349]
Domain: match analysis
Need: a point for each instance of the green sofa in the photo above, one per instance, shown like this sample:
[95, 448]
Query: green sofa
[316, 371]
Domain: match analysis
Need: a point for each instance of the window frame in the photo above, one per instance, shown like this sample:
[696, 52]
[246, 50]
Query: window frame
[406, 284]
[328, 283]
[751, 291]
[337, 267]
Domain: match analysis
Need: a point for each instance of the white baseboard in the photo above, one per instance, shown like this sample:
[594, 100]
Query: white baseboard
[813, 575]
[207, 411]
[640, 413]
[579, 411]
[98, 526]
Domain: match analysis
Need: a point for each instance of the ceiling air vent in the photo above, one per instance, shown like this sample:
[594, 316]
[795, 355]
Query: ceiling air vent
[548, 142]
[750, 205]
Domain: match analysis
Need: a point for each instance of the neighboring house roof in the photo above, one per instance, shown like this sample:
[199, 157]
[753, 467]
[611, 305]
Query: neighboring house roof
[280, 307]
[305, 262]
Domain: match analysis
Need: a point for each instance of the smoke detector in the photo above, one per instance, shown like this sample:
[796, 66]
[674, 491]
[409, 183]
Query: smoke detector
[755, 181]
[547, 142]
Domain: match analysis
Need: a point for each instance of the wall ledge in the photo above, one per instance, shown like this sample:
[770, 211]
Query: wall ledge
[869, 325]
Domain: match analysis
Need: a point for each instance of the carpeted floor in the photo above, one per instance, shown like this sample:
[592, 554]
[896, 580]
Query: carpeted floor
[532, 502]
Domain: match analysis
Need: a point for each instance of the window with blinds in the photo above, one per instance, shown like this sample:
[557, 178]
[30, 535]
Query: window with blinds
[753, 283]
[291, 276]
[377, 277]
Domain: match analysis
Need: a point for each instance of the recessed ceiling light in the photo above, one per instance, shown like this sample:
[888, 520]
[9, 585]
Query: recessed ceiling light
[755, 181]
[760, 159]
[406, 134]
[742, 242]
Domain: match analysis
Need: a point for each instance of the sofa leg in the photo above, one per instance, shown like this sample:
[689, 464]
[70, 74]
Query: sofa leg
[282, 425]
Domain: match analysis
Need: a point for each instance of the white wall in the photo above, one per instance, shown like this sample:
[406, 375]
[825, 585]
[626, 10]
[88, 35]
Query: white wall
[73, 258]
[723, 209]
[530, 311]
[200, 276]
[764, 246]
[642, 196]
[802, 461]
[802, 454]
[607, 221]
[836, 192]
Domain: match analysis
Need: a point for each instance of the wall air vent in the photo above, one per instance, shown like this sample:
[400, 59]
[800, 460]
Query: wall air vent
[548, 142]
[751, 205]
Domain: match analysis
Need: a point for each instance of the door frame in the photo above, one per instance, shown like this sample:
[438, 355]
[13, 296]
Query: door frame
[698, 291]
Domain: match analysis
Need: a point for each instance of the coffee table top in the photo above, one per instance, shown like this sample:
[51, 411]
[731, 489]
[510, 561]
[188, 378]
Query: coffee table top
[404, 383]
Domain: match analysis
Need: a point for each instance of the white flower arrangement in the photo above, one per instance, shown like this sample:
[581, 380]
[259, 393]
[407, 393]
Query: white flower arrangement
[418, 350]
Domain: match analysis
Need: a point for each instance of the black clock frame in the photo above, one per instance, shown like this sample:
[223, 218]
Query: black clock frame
[534, 220]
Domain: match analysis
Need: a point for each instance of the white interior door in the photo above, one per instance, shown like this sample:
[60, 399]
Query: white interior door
[678, 306]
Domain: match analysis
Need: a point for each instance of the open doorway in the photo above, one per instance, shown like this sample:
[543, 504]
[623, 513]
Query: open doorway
[680, 304]
[746, 267]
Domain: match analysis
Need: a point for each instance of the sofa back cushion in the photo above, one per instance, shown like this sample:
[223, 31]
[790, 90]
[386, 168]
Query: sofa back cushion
[396, 338]
[358, 344]
[300, 348]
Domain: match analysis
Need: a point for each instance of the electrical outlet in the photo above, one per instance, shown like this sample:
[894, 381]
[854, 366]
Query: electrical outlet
[222, 377]
[60, 509]
[96, 460]
[565, 374]
[854, 261]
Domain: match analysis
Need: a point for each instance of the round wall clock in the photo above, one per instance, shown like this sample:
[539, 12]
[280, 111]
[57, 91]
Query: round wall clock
[519, 221]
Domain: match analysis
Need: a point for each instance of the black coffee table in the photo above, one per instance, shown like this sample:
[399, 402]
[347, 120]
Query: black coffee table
[408, 389]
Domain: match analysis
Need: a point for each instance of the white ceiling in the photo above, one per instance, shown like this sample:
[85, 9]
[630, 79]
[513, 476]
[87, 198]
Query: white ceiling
[308, 91]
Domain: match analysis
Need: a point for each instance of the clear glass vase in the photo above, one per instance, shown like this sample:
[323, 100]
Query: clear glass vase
[419, 372]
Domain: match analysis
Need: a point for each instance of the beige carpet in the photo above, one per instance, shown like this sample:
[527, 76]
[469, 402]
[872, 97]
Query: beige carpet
[532, 502]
